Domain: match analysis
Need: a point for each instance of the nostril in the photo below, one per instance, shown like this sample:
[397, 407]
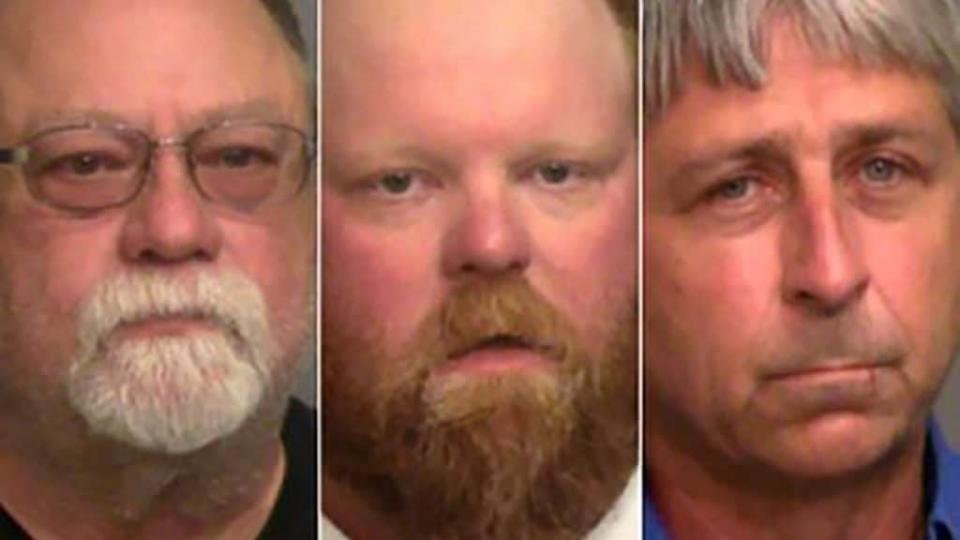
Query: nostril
[828, 303]
[492, 267]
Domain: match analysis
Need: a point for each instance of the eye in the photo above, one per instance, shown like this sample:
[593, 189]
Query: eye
[396, 186]
[885, 185]
[84, 164]
[395, 183]
[880, 171]
[236, 157]
[734, 191]
[555, 173]
[741, 201]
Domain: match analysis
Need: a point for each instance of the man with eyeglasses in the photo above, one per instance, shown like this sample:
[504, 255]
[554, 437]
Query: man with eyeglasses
[156, 266]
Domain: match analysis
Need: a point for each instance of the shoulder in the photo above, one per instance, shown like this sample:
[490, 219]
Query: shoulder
[941, 484]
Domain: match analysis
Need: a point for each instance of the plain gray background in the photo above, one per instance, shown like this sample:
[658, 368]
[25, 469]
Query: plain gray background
[307, 383]
[948, 407]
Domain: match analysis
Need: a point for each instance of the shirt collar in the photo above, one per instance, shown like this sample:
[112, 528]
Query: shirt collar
[941, 487]
[653, 528]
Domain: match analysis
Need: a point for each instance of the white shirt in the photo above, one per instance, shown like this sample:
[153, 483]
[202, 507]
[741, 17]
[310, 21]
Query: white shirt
[622, 522]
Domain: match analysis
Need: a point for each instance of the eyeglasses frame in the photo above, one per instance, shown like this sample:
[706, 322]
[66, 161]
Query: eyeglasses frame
[20, 155]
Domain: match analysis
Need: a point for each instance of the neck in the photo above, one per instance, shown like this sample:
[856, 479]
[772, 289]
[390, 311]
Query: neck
[104, 490]
[353, 513]
[572, 501]
[884, 502]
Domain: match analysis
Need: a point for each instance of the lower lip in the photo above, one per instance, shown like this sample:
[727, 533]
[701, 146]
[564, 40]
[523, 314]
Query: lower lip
[826, 375]
[822, 391]
[492, 360]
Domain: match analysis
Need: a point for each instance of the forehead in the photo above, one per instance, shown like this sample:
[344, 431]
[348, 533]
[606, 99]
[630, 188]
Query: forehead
[473, 66]
[141, 59]
[806, 95]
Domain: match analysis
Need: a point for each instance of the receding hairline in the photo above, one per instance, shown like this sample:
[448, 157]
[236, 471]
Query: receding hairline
[252, 18]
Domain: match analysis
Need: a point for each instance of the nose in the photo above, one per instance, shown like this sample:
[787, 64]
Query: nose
[169, 222]
[823, 268]
[488, 236]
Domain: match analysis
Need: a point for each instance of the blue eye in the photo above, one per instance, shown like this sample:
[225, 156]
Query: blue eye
[880, 170]
[734, 189]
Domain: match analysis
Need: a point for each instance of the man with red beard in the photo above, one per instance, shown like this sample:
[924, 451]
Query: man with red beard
[479, 268]
[157, 256]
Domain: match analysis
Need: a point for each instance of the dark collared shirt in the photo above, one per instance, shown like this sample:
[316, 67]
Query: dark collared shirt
[294, 515]
[941, 490]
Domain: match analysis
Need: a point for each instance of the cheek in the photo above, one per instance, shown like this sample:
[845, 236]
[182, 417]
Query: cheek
[587, 265]
[375, 279]
[707, 307]
[280, 260]
[58, 261]
[58, 266]
[917, 281]
[54, 265]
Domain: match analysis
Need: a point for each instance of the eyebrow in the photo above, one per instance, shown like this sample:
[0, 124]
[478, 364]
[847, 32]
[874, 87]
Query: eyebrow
[254, 109]
[384, 156]
[56, 118]
[864, 135]
[596, 146]
[773, 147]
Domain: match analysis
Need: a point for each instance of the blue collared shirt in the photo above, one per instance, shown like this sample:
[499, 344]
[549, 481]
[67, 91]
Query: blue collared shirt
[941, 489]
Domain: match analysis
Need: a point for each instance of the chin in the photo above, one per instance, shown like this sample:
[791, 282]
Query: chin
[838, 445]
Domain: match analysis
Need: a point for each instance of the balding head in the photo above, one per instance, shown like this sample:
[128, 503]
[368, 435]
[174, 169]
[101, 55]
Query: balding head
[142, 58]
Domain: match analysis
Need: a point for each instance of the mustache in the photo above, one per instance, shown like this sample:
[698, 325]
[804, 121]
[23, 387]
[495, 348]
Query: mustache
[851, 340]
[228, 299]
[502, 310]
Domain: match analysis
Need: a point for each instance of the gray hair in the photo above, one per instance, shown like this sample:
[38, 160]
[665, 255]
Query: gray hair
[728, 36]
[285, 17]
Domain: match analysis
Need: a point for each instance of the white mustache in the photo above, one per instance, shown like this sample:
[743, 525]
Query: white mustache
[229, 299]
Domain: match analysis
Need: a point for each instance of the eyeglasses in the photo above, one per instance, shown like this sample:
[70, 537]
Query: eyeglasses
[86, 168]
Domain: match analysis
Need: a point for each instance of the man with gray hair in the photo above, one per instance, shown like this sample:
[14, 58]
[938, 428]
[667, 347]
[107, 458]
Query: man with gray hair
[157, 255]
[802, 266]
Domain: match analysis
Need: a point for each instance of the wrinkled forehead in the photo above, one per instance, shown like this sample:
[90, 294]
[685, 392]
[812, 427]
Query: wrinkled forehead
[143, 59]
